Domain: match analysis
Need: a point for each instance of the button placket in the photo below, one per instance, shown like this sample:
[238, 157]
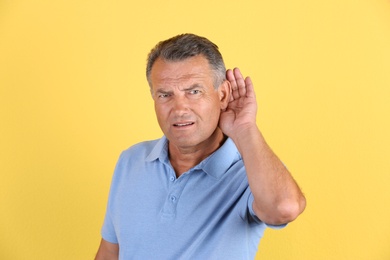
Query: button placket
[173, 196]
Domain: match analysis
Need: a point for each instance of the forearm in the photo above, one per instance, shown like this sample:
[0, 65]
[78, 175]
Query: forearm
[277, 197]
[107, 251]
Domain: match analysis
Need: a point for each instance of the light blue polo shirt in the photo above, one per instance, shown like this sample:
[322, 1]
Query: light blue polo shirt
[206, 213]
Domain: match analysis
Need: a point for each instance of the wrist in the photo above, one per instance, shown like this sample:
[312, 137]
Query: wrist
[246, 136]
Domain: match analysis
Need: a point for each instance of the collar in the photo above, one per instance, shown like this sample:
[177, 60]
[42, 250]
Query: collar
[221, 160]
[215, 165]
[159, 151]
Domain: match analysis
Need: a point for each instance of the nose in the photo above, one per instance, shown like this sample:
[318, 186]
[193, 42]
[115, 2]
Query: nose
[180, 105]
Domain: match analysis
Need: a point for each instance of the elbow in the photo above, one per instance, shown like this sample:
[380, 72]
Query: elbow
[290, 210]
[285, 212]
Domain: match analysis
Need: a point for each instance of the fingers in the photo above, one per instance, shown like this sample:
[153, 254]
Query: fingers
[238, 83]
[232, 80]
[250, 91]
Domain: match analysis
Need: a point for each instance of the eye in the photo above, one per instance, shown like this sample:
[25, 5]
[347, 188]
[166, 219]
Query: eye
[163, 95]
[194, 91]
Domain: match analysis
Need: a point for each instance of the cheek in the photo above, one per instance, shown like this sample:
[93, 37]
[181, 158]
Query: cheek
[160, 114]
[216, 106]
[159, 108]
[212, 112]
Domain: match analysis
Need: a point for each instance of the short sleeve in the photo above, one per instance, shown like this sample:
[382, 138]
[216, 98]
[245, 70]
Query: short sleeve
[108, 231]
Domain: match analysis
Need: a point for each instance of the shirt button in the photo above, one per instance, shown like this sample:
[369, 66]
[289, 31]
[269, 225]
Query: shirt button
[172, 178]
[173, 198]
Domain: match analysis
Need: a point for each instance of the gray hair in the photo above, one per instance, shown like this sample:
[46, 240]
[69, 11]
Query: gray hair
[184, 46]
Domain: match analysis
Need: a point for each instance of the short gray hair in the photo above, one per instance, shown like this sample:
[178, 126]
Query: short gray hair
[184, 46]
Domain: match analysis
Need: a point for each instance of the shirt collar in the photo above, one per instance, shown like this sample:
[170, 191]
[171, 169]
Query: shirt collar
[215, 165]
[159, 151]
[221, 160]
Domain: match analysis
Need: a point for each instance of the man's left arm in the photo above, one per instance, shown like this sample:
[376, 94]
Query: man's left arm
[277, 197]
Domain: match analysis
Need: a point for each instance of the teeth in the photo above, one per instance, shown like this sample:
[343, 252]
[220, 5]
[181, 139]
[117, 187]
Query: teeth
[183, 124]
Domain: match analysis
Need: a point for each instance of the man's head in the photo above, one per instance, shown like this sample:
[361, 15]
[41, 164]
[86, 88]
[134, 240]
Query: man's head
[189, 91]
[185, 46]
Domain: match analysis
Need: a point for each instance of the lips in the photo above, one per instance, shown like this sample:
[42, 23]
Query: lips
[183, 124]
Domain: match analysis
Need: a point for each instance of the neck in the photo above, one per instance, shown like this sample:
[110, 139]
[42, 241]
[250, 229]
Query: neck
[184, 158]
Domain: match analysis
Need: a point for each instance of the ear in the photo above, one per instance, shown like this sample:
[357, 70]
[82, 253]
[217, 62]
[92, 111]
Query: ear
[224, 92]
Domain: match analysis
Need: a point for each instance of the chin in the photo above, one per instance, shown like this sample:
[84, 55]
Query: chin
[185, 141]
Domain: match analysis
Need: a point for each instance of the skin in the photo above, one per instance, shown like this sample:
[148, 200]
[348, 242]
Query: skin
[188, 109]
[196, 118]
[277, 197]
[107, 251]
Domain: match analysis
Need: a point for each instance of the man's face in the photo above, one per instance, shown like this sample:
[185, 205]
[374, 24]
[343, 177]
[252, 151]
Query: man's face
[186, 104]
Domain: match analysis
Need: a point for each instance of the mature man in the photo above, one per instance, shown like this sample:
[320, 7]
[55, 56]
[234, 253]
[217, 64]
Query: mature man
[211, 185]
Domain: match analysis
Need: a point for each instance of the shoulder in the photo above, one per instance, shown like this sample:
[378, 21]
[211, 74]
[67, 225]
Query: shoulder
[140, 150]
[135, 159]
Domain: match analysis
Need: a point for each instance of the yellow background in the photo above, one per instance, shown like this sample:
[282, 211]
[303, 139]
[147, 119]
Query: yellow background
[73, 95]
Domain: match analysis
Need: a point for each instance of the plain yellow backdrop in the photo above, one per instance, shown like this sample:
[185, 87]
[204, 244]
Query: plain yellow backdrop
[73, 95]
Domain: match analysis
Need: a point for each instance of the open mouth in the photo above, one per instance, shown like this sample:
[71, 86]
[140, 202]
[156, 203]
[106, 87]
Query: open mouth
[183, 124]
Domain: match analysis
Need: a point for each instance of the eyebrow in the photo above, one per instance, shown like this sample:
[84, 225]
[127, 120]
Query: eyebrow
[164, 91]
[161, 90]
[194, 86]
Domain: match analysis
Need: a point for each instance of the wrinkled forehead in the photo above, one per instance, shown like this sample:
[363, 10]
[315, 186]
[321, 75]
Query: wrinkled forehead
[194, 68]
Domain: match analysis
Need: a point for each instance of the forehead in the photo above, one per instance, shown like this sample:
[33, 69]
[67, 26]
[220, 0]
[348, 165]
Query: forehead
[170, 72]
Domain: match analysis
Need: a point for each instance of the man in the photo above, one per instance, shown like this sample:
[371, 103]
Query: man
[211, 185]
